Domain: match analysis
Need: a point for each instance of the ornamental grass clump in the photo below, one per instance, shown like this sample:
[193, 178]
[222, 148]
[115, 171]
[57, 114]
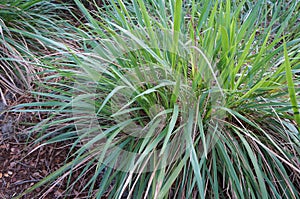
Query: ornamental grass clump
[179, 99]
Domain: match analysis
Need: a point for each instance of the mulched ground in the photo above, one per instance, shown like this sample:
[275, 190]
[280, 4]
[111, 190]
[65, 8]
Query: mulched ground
[20, 169]
[21, 166]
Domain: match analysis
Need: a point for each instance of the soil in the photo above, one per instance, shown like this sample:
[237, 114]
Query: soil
[20, 169]
[23, 163]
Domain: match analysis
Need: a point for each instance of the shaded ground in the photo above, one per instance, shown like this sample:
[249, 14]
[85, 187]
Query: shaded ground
[23, 164]
[20, 169]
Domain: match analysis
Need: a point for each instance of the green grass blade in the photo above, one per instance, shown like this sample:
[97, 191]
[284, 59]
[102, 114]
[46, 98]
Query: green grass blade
[291, 86]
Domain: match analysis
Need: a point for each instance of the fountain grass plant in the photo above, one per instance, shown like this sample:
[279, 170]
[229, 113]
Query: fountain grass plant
[177, 99]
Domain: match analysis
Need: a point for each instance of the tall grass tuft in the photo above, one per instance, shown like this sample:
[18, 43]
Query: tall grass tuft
[178, 99]
[21, 24]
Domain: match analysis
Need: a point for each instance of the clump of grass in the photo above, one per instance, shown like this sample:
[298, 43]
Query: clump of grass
[22, 22]
[180, 100]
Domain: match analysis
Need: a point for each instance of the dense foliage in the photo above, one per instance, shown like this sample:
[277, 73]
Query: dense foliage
[163, 99]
